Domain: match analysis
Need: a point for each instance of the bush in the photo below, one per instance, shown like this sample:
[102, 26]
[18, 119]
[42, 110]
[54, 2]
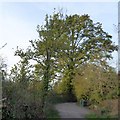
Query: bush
[95, 83]
[51, 113]
[22, 102]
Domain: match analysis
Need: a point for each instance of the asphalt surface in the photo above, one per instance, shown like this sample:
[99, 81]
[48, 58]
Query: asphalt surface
[71, 110]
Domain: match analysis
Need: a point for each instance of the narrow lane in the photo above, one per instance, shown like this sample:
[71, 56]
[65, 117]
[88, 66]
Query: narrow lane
[71, 110]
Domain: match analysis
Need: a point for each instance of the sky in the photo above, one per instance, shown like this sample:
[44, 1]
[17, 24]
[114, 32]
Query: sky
[18, 22]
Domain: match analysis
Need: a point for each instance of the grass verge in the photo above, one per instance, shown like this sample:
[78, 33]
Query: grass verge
[94, 116]
[52, 113]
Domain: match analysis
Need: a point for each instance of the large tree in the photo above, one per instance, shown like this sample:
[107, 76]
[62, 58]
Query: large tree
[82, 41]
[65, 42]
[44, 51]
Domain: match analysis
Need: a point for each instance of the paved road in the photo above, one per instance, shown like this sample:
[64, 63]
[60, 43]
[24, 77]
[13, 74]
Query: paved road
[71, 110]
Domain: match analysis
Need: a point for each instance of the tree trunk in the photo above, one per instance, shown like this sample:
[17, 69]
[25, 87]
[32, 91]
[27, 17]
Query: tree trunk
[70, 94]
[46, 80]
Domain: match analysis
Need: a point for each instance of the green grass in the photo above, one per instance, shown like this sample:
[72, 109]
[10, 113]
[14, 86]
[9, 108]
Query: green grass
[100, 117]
[52, 113]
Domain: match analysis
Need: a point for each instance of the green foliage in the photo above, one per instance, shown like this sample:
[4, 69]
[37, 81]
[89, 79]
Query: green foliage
[99, 117]
[51, 113]
[70, 48]
[82, 41]
[65, 42]
[95, 83]
[22, 90]
[44, 51]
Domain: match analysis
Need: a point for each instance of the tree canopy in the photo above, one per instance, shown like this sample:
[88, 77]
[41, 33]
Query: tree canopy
[69, 50]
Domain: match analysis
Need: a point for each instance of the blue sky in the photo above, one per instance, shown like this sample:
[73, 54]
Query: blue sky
[19, 20]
